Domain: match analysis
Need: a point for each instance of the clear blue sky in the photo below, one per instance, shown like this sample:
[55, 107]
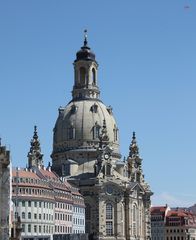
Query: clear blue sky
[147, 54]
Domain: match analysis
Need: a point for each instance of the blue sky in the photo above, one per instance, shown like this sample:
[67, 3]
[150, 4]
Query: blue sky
[146, 53]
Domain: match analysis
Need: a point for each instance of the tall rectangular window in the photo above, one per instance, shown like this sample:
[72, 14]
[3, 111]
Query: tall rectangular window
[23, 227]
[109, 211]
[109, 228]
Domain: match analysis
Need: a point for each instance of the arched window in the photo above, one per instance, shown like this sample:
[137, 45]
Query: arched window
[108, 171]
[109, 219]
[94, 76]
[29, 215]
[23, 215]
[82, 76]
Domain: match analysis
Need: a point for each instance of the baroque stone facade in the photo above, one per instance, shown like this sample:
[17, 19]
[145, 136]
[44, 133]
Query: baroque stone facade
[86, 152]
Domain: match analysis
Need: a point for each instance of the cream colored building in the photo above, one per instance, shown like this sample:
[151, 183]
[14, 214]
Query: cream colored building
[86, 152]
[180, 225]
[44, 202]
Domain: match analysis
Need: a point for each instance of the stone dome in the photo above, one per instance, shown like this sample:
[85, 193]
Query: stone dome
[79, 124]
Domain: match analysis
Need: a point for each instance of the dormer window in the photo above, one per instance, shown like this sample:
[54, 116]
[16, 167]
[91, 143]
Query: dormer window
[109, 109]
[94, 108]
[73, 109]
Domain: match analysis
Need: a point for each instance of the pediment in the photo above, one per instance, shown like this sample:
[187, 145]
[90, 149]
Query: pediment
[134, 186]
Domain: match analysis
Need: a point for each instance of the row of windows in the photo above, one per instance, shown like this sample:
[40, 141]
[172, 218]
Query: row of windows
[157, 230]
[175, 230]
[79, 210]
[78, 231]
[63, 194]
[35, 216]
[174, 224]
[37, 228]
[63, 229]
[83, 76]
[64, 217]
[32, 191]
[63, 206]
[78, 221]
[96, 130]
[156, 218]
[157, 238]
[157, 223]
[176, 238]
[36, 204]
[29, 180]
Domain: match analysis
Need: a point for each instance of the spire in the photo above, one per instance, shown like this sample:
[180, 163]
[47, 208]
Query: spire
[35, 157]
[133, 149]
[35, 133]
[85, 38]
[35, 144]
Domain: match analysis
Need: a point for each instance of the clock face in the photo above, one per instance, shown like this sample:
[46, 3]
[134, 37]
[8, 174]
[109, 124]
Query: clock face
[109, 189]
[106, 156]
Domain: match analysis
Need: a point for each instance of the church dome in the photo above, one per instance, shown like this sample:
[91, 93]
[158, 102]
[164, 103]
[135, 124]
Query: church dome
[85, 123]
[79, 125]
